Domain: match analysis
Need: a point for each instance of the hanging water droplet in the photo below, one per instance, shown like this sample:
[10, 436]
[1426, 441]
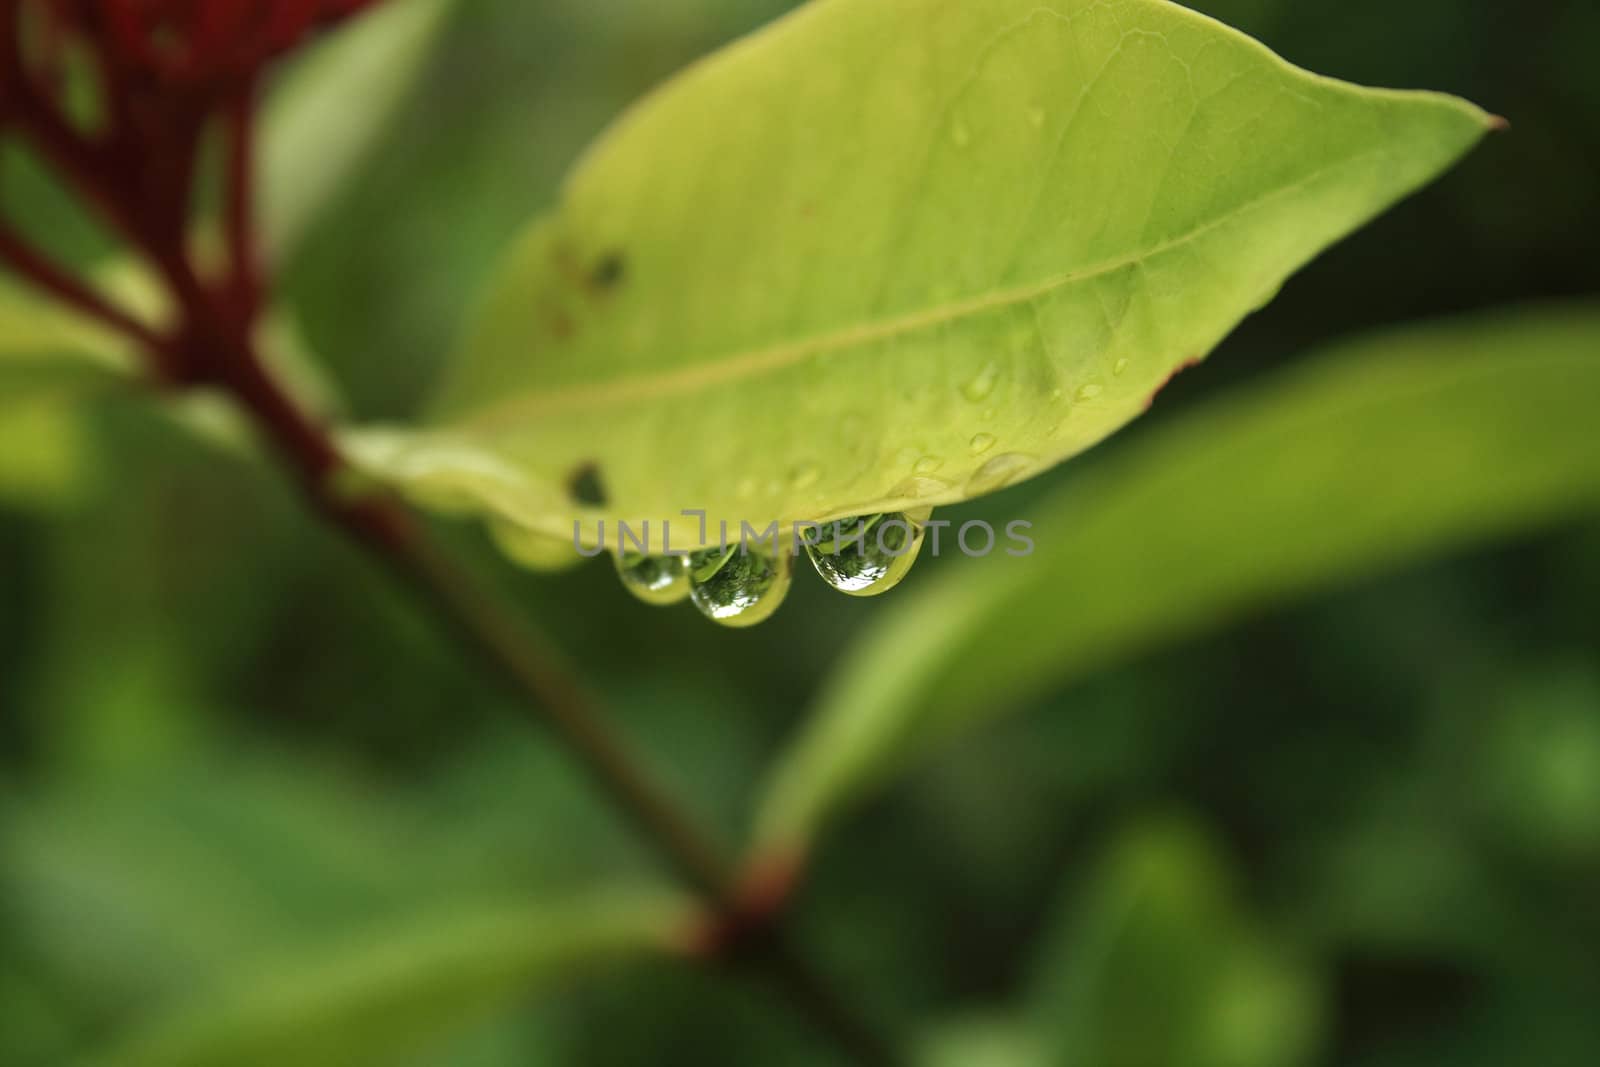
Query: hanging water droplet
[534, 550]
[982, 442]
[1090, 391]
[657, 580]
[982, 385]
[960, 134]
[999, 472]
[1120, 366]
[927, 465]
[738, 585]
[869, 555]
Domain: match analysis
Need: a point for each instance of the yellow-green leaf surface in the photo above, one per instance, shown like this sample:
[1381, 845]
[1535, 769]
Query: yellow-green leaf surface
[901, 252]
[385, 999]
[1386, 449]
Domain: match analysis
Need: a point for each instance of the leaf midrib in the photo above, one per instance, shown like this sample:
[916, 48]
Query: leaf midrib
[706, 374]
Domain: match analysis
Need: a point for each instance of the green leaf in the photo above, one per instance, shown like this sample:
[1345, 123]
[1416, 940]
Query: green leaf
[901, 253]
[332, 108]
[46, 458]
[1380, 452]
[1155, 965]
[387, 996]
[45, 345]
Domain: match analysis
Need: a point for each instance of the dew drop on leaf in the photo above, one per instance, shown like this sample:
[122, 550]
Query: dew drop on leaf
[1036, 116]
[1000, 471]
[982, 442]
[1120, 366]
[1090, 391]
[738, 585]
[981, 385]
[919, 488]
[960, 135]
[656, 580]
[927, 465]
[805, 477]
[869, 555]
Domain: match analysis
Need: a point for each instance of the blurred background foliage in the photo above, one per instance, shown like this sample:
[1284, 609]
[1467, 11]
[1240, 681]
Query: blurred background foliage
[1362, 830]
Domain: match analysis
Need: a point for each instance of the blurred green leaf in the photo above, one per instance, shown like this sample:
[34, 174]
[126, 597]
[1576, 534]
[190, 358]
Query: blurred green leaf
[45, 454]
[982, 1041]
[388, 995]
[902, 253]
[1154, 965]
[43, 344]
[333, 106]
[1382, 451]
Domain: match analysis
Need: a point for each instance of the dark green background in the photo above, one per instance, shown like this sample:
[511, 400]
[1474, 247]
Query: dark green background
[223, 734]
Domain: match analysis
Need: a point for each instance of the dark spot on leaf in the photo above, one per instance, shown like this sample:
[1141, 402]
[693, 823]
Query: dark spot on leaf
[1179, 369]
[586, 488]
[561, 325]
[609, 271]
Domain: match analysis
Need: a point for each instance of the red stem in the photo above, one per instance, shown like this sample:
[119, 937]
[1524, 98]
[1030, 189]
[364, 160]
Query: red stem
[245, 282]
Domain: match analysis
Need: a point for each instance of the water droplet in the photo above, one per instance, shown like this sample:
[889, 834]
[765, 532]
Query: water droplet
[982, 385]
[1000, 471]
[919, 488]
[657, 580]
[1120, 366]
[534, 550]
[927, 465]
[869, 555]
[738, 585]
[805, 477]
[960, 134]
[1057, 395]
[988, 414]
[1036, 115]
[982, 442]
[747, 488]
[1090, 391]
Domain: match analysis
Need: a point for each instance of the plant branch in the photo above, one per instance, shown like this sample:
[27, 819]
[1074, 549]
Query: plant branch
[239, 185]
[137, 176]
[524, 658]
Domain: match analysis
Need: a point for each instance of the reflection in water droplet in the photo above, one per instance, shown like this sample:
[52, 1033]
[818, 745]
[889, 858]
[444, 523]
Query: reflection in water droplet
[1120, 366]
[658, 580]
[982, 385]
[982, 442]
[534, 550]
[927, 465]
[738, 586]
[960, 134]
[1000, 471]
[1036, 115]
[1090, 391]
[869, 555]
